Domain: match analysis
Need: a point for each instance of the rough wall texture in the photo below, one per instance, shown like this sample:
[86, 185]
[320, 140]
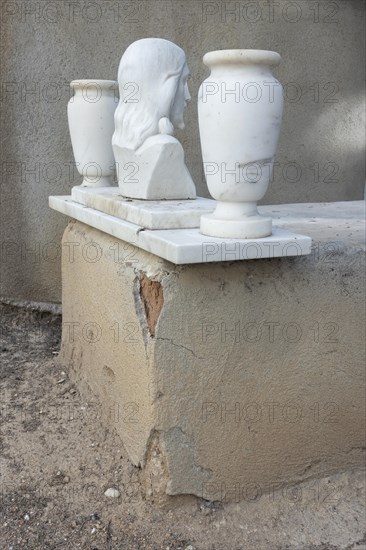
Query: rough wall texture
[45, 44]
[253, 378]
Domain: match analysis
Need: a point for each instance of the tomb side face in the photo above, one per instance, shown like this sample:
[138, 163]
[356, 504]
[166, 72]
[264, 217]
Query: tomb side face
[227, 378]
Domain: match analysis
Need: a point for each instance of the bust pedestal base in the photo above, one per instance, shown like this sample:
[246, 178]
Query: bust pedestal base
[167, 214]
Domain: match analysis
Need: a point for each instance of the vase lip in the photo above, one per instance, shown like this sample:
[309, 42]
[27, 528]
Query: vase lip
[80, 83]
[242, 57]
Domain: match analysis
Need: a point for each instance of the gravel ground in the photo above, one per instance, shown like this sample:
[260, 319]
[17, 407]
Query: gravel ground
[57, 461]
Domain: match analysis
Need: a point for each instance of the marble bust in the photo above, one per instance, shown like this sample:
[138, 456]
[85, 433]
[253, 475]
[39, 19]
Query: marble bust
[152, 79]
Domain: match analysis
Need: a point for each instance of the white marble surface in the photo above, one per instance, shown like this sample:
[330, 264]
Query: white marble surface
[91, 123]
[240, 111]
[152, 78]
[166, 214]
[186, 246]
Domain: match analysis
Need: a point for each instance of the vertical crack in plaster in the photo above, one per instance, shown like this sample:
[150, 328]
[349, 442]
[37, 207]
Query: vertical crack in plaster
[155, 471]
[152, 298]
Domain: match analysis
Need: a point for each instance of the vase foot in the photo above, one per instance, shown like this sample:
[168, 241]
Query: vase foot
[102, 181]
[250, 227]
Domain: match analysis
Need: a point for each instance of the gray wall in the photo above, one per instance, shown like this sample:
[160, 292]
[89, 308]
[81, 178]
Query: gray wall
[47, 43]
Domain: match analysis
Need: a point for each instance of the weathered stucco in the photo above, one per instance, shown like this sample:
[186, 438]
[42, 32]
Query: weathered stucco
[240, 376]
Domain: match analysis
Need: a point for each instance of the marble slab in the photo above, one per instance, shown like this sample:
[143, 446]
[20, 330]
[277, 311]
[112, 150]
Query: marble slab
[186, 246]
[167, 214]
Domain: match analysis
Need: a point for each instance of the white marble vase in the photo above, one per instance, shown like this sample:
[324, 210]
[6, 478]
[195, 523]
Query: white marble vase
[91, 123]
[240, 110]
